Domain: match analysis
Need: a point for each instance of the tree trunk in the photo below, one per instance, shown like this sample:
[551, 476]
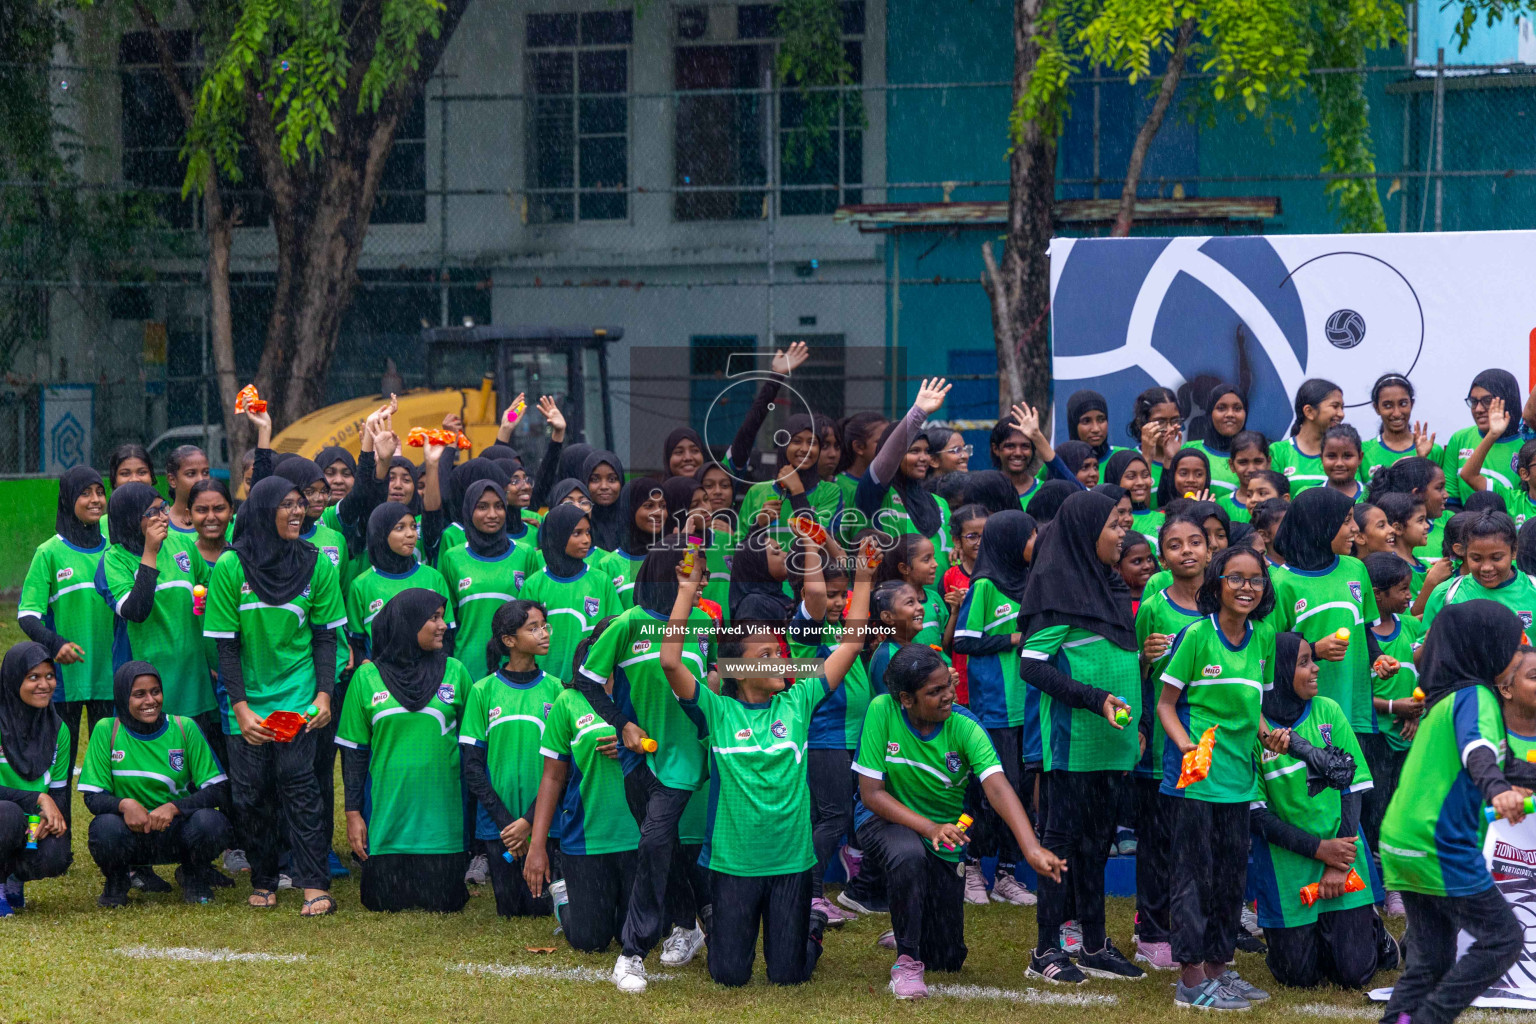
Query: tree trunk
[1019, 285]
[1149, 128]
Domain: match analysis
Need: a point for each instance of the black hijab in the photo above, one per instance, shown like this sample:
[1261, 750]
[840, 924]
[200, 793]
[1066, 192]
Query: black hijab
[411, 674]
[1001, 558]
[303, 474]
[607, 520]
[125, 515]
[278, 570]
[72, 484]
[475, 469]
[656, 582]
[553, 535]
[1306, 533]
[1204, 431]
[755, 595]
[1048, 499]
[122, 686]
[1203, 510]
[992, 490]
[635, 493]
[810, 479]
[678, 492]
[1074, 454]
[1502, 384]
[415, 471]
[485, 545]
[916, 500]
[1167, 487]
[502, 452]
[563, 489]
[1068, 585]
[571, 458]
[1087, 401]
[1281, 704]
[1469, 645]
[381, 523]
[1111, 471]
[332, 455]
[676, 438]
[30, 735]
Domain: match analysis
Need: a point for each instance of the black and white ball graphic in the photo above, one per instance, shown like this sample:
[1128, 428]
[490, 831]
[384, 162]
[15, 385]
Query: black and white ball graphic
[1345, 328]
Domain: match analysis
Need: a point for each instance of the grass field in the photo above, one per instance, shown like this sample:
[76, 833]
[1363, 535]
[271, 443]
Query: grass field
[65, 960]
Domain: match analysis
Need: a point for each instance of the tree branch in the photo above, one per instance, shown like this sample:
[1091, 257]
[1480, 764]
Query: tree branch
[1149, 129]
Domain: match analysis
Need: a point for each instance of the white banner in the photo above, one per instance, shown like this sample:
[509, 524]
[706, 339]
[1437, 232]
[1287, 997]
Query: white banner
[1128, 313]
[68, 415]
[1511, 854]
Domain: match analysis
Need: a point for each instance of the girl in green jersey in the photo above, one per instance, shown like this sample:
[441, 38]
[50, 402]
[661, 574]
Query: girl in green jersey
[759, 852]
[1319, 405]
[603, 475]
[577, 596]
[184, 467]
[689, 515]
[1513, 482]
[759, 570]
[34, 772]
[1401, 436]
[1249, 456]
[1488, 572]
[912, 560]
[795, 483]
[1128, 470]
[1305, 838]
[393, 567]
[129, 463]
[488, 571]
[1156, 430]
[1373, 533]
[1188, 475]
[1423, 480]
[860, 443]
[1341, 460]
[1410, 526]
[154, 787]
[1433, 836]
[891, 495]
[60, 609]
[504, 725]
[399, 738]
[1502, 445]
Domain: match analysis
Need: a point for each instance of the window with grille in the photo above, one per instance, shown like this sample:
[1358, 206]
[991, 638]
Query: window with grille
[152, 125]
[578, 147]
[402, 195]
[723, 146]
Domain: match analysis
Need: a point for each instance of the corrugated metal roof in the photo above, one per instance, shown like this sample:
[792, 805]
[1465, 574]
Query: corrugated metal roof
[889, 216]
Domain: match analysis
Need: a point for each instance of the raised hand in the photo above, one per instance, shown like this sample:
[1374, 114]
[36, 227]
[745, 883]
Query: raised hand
[784, 362]
[1498, 417]
[553, 416]
[931, 395]
[1026, 419]
[1423, 440]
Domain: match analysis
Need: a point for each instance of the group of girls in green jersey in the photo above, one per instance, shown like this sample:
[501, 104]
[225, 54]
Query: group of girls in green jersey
[634, 760]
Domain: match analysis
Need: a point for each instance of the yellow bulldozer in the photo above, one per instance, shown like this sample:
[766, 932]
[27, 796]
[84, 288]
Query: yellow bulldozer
[474, 373]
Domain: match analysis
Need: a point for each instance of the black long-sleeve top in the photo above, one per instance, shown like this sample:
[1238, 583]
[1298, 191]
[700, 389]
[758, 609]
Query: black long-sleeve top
[544, 476]
[106, 802]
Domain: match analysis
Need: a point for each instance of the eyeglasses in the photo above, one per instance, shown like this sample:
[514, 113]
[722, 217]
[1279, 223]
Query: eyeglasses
[292, 505]
[1479, 403]
[970, 538]
[965, 449]
[582, 503]
[156, 510]
[1246, 582]
[540, 630]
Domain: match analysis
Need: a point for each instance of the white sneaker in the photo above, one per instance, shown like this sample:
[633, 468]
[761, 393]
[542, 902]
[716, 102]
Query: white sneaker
[975, 886]
[1251, 921]
[682, 946]
[629, 974]
[1007, 889]
[479, 870]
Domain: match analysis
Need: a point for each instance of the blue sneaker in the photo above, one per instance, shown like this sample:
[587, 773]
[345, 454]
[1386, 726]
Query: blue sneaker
[338, 869]
[15, 893]
[5, 907]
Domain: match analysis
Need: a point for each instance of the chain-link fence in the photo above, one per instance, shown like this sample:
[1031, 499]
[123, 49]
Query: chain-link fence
[648, 172]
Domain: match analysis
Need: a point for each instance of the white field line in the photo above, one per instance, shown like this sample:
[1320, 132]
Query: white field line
[190, 954]
[584, 974]
[1038, 997]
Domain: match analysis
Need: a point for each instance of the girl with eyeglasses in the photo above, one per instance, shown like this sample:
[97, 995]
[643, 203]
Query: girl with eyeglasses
[502, 731]
[1216, 674]
[1501, 452]
[1321, 590]
[950, 452]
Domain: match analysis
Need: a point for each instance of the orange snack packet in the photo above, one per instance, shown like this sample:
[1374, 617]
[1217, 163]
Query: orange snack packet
[1197, 763]
[249, 399]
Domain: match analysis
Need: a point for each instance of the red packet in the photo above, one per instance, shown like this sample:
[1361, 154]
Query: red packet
[286, 724]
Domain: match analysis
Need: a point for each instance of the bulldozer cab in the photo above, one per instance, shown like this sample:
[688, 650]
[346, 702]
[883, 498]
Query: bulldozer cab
[568, 363]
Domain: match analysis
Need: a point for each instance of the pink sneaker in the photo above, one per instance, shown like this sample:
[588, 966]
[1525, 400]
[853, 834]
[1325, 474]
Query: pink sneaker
[1158, 956]
[836, 916]
[1394, 905]
[887, 939]
[907, 979]
[852, 860]
[975, 886]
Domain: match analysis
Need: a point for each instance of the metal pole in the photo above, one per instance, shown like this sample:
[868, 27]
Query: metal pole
[1439, 134]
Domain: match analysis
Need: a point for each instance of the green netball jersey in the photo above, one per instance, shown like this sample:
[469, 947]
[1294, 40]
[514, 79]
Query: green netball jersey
[825, 499]
[1301, 469]
[998, 697]
[507, 720]
[1224, 480]
[1236, 510]
[893, 518]
[623, 569]
[161, 639]
[759, 803]
[1377, 457]
[372, 590]
[1498, 467]
[935, 617]
[1220, 684]
[1432, 835]
[276, 646]
[1075, 739]
[1159, 613]
[1317, 604]
[629, 651]
[1278, 873]
[56, 777]
[1518, 594]
[477, 588]
[156, 769]
[413, 766]
[574, 605]
[1148, 524]
[593, 815]
[1518, 500]
[1407, 637]
[60, 589]
[926, 771]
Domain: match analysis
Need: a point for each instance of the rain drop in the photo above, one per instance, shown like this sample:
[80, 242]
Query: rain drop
[63, 85]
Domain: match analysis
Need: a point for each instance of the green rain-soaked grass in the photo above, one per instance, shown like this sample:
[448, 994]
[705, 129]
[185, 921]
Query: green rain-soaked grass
[61, 962]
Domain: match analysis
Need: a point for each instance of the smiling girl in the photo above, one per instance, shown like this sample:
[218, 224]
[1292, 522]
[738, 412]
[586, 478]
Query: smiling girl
[1228, 418]
[1488, 571]
[1249, 456]
[1319, 405]
[1392, 397]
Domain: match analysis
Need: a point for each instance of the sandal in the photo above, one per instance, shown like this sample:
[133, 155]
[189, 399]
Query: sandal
[327, 897]
[268, 899]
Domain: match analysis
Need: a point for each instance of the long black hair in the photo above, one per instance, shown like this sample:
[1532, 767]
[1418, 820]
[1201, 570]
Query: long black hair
[1312, 392]
[1209, 599]
[1141, 411]
[509, 618]
[858, 427]
[1412, 475]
